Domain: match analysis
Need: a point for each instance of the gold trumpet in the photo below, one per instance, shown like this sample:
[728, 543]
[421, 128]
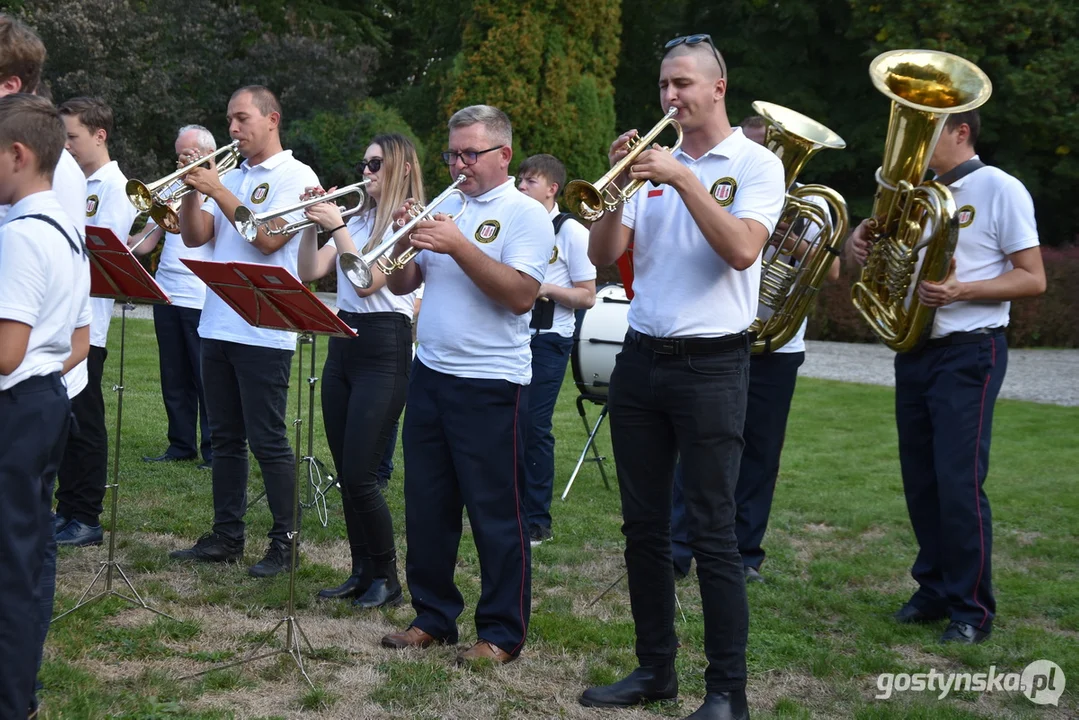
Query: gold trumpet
[358, 269]
[913, 221]
[789, 289]
[590, 200]
[161, 196]
[248, 223]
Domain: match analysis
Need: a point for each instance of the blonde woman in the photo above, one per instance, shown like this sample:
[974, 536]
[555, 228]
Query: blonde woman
[365, 378]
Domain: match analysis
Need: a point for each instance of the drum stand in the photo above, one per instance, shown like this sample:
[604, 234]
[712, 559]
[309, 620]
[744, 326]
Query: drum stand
[293, 631]
[111, 565]
[596, 457]
[318, 479]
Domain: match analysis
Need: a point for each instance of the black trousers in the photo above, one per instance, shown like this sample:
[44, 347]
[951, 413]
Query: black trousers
[84, 470]
[246, 400]
[944, 399]
[464, 446]
[692, 406]
[180, 358]
[364, 384]
[34, 420]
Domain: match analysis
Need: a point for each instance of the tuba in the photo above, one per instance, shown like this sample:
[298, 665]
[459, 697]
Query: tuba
[789, 287]
[913, 227]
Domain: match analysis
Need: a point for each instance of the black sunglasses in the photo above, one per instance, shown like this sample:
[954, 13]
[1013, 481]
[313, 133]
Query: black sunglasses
[696, 40]
[374, 163]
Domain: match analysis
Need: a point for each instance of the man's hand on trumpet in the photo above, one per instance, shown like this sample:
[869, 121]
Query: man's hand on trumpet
[203, 178]
[438, 234]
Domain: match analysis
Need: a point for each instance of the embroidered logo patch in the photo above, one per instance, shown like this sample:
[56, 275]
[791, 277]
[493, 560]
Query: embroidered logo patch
[258, 195]
[487, 231]
[723, 191]
[554, 256]
[966, 216]
[91, 206]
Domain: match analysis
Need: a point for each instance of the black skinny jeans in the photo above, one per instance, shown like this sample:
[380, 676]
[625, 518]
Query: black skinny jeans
[363, 392]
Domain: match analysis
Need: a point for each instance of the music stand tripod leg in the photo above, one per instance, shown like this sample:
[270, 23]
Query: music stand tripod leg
[111, 565]
[584, 452]
[316, 485]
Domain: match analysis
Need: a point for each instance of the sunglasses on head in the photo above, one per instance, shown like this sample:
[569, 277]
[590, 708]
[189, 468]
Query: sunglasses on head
[696, 40]
[374, 163]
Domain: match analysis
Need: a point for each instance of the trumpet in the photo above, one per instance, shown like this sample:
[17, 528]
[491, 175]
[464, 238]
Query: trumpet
[156, 197]
[358, 268]
[248, 223]
[590, 200]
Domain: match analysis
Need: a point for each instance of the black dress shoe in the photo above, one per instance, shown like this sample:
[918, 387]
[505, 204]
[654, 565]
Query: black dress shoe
[723, 706]
[211, 547]
[909, 614]
[645, 684]
[168, 458]
[964, 633]
[275, 561]
[384, 592]
[355, 586]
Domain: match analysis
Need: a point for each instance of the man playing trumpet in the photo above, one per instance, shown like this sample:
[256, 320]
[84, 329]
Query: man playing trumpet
[245, 370]
[679, 385]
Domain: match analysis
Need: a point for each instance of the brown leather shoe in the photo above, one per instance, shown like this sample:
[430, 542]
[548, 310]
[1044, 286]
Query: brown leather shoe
[412, 637]
[484, 650]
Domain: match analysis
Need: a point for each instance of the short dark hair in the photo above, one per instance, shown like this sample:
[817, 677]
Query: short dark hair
[972, 119]
[753, 121]
[34, 122]
[91, 112]
[263, 98]
[22, 54]
[546, 166]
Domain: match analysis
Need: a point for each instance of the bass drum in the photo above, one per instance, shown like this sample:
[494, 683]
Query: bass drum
[602, 332]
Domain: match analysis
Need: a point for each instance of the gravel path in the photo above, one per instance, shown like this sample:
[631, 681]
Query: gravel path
[1042, 376]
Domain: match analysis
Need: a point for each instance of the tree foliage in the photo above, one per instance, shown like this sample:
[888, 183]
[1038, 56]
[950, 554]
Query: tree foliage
[161, 64]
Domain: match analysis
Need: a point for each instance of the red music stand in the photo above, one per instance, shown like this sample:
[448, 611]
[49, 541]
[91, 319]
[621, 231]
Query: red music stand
[115, 273]
[269, 296]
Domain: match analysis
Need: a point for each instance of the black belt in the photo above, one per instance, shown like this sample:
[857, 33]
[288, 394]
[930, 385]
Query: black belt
[962, 338]
[690, 346]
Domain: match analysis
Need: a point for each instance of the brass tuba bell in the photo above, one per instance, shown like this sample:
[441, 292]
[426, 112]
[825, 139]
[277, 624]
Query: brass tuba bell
[805, 229]
[913, 221]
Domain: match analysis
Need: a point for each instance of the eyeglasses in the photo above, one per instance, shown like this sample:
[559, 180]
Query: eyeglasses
[375, 164]
[468, 157]
[696, 40]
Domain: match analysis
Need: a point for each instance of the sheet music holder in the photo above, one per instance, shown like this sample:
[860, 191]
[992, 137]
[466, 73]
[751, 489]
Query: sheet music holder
[269, 296]
[115, 272]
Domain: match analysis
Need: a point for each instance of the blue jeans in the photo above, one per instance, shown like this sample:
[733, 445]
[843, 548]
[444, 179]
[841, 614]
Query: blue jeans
[693, 406]
[550, 354]
[246, 399]
[944, 399]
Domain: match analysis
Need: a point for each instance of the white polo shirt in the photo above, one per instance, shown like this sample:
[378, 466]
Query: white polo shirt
[69, 184]
[181, 285]
[274, 183]
[43, 283]
[463, 332]
[681, 286]
[568, 264]
[107, 206]
[996, 219]
[360, 226]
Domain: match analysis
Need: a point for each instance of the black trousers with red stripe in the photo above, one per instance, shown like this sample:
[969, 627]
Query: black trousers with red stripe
[464, 447]
[944, 398]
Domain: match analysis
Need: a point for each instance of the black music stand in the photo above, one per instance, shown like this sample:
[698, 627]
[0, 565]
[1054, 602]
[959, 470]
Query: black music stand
[268, 296]
[115, 273]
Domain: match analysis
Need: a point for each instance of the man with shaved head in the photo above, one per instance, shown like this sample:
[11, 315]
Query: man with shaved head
[679, 385]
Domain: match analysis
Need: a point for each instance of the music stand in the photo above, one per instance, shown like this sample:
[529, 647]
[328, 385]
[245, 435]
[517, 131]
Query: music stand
[115, 273]
[591, 443]
[268, 296]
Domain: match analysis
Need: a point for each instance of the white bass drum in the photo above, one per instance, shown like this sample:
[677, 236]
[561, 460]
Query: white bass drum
[602, 332]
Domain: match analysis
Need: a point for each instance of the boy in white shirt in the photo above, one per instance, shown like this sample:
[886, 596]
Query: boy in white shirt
[44, 280]
[83, 475]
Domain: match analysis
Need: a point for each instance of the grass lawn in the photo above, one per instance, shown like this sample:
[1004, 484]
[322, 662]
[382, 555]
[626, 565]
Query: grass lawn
[839, 547]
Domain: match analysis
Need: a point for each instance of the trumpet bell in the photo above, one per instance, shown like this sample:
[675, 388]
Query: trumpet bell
[584, 199]
[356, 271]
[140, 195]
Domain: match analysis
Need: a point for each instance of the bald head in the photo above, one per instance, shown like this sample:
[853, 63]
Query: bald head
[708, 60]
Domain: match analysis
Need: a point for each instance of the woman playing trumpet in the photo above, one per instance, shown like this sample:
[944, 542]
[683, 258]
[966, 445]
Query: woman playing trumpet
[366, 378]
